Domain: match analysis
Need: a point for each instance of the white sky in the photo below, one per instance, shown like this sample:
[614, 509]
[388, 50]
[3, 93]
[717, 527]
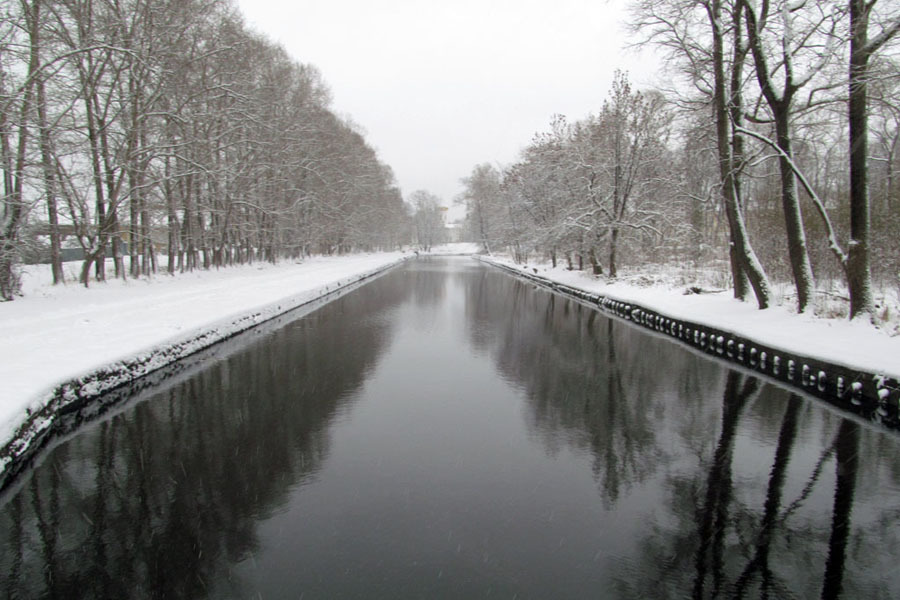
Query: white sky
[439, 87]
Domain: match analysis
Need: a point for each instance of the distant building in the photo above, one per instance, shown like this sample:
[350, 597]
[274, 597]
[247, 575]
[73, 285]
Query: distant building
[453, 232]
[70, 248]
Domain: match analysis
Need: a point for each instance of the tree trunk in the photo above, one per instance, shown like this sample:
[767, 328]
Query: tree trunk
[613, 246]
[748, 263]
[116, 246]
[134, 208]
[740, 279]
[48, 167]
[859, 275]
[148, 252]
[780, 105]
[97, 179]
[171, 218]
[793, 220]
[596, 267]
[483, 230]
[14, 212]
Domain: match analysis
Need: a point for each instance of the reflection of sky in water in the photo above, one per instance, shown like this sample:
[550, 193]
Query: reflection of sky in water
[447, 431]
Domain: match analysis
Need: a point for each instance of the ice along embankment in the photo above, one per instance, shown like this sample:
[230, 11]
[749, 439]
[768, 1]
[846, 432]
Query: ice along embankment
[827, 373]
[64, 349]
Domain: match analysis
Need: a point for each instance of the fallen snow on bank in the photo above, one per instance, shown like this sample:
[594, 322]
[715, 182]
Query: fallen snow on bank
[838, 341]
[54, 334]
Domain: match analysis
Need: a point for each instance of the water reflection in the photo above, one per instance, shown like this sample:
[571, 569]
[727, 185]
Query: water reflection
[447, 431]
[572, 362]
[729, 525]
[161, 500]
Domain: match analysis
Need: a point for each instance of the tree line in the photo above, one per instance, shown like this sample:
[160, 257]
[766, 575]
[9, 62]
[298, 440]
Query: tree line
[150, 128]
[774, 151]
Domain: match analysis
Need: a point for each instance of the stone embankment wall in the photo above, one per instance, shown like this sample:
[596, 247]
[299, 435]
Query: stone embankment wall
[869, 395]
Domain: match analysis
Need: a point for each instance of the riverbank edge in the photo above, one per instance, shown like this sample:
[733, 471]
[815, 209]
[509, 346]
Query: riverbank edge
[38, 427]
[870, 395]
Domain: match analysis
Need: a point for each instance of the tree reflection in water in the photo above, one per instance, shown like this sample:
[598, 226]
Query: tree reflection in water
[161, 500]
[847, 442]
[564, 455]
[782, 551]
[638, 404]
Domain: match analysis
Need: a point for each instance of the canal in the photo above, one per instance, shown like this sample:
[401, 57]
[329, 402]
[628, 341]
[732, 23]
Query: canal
[447, 431]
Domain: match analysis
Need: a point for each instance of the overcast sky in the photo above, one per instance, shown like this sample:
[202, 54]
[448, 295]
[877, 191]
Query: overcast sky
[439, 87]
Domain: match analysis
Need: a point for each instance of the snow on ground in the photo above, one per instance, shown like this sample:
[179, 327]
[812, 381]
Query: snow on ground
[54, 334]
[855, 344]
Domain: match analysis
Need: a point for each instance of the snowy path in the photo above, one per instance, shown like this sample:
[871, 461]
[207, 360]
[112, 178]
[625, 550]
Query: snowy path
[56, 334]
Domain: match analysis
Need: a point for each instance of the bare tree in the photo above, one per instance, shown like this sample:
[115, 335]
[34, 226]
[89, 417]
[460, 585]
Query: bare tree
[859, 276]
[618, 158]
[484, 205]
[15, 115]
[167, 119]
[539, 189]
[796, 32]
[697, 36]
[427, 218]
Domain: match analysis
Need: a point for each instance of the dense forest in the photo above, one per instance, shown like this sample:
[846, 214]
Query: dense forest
[770, 156]
[138, 129]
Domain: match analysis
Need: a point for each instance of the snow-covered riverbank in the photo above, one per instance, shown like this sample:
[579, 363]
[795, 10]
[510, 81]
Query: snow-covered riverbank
[106, 335]
[854, 364]
[835, 340]
[93, 339]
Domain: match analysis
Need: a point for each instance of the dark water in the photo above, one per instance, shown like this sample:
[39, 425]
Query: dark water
[449, 432]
